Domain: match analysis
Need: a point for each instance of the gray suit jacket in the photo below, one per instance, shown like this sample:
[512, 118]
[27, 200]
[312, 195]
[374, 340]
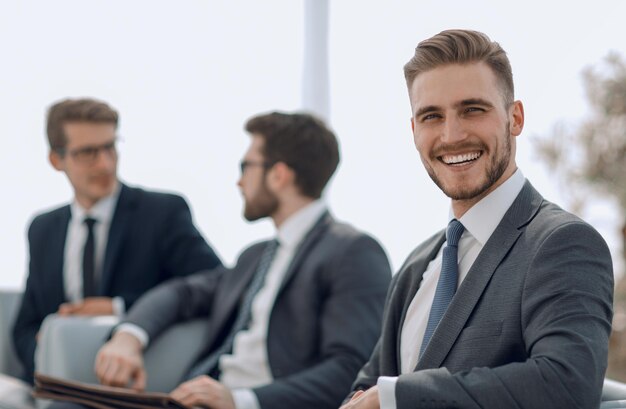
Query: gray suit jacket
[528, 327]
[323, 326]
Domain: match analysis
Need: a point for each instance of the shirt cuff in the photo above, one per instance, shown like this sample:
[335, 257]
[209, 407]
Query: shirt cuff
[119, 306]
[387, 391]
[135, 331]
[245, 399]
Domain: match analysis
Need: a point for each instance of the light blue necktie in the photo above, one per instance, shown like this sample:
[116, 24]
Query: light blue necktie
[208, 365]
[446, 286]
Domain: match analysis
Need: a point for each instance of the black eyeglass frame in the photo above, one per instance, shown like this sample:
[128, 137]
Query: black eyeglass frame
[247, 163]
[89, 154]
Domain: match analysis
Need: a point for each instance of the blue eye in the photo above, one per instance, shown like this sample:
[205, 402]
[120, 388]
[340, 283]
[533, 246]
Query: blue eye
[429, 117]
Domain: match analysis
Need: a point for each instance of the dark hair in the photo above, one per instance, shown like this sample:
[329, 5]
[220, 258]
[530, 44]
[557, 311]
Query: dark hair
[461, 47]
[301, 141]
[76, 110]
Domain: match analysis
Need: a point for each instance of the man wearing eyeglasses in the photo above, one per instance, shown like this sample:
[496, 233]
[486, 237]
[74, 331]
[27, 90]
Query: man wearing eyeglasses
[97, 255]
[292, 322]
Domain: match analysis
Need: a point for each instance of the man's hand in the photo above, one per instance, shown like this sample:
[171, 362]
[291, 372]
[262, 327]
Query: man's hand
[89, 306]
[204, 391]
[364, 400]
[120, 361]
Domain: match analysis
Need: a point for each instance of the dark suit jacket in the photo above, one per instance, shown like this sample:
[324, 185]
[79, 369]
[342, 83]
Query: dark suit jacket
[528, 327]
[151, 239]
[324, 323]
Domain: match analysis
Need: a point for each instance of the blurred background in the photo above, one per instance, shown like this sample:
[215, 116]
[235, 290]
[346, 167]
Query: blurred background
[186, 75]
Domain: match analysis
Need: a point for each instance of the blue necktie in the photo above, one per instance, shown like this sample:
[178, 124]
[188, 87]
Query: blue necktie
[209, 363]
[446, 286]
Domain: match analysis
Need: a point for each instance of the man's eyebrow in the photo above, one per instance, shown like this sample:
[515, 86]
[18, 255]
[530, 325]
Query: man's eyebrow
[460, 104]
[429, 108]
[474, 101]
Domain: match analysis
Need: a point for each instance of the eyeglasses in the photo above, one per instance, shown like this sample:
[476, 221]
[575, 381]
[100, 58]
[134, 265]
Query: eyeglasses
[89, 154]
[245, 163]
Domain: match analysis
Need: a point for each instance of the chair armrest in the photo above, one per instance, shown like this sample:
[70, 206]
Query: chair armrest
[613, 390]
[68, 348]
[9, 303]
[614, 404]
[170, 356]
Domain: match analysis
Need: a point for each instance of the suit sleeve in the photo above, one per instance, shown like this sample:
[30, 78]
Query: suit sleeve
[25, 330]
[176, 300]
[368, 375]
[350, 325]
[188, 252]
[566, 321]
[181, 248]
[29, 318]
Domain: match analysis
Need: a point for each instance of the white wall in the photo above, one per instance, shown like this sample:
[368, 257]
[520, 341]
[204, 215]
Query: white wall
[186, 75]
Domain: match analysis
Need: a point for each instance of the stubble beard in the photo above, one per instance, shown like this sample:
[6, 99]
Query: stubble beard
[494, 172]
[263, 204]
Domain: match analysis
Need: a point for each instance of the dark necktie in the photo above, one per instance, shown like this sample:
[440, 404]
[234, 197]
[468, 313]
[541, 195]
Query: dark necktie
[446, 286]
[89, 260]
[209, 364]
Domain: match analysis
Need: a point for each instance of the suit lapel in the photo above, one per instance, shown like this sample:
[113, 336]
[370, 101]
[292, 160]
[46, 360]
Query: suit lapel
[503, 238]
[55, 281]
[231, 292]
[304, 249]
[235, 283]
[119, 225]
[415, 273]
[231, 289]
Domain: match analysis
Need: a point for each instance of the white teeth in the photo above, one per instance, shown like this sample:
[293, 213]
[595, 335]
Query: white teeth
[466, 157]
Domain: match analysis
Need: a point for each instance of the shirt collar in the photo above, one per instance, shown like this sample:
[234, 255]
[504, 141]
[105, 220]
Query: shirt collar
[482, 219]
[295, 227]
[102, 211]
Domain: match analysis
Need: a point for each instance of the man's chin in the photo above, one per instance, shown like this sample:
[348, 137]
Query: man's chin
[103, 192]
[464, 192]
[252, 217]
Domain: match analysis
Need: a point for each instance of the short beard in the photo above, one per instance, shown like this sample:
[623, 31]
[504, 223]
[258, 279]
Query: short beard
[495, 170]
[264, 204]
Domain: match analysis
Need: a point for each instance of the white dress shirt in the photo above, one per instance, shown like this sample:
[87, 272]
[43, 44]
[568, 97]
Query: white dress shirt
[248, 367]
[479, 221]
[102, 212]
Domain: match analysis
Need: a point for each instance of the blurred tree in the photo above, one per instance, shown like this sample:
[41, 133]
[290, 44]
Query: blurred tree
[590, 161]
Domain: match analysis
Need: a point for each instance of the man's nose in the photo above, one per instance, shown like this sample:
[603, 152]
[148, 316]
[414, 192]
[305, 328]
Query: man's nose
[453, 130]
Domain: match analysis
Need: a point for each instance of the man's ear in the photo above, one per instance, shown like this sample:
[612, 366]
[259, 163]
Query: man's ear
[517, 118]
[280, 175]
[56, 160]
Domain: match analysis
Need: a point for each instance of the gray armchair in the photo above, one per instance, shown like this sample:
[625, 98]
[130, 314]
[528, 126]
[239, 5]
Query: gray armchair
[68, 347]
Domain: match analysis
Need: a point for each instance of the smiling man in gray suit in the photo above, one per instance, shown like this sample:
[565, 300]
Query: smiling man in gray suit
[511, 305]
[295, 319]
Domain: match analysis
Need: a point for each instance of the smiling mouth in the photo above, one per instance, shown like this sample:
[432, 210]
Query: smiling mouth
[462, 159]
